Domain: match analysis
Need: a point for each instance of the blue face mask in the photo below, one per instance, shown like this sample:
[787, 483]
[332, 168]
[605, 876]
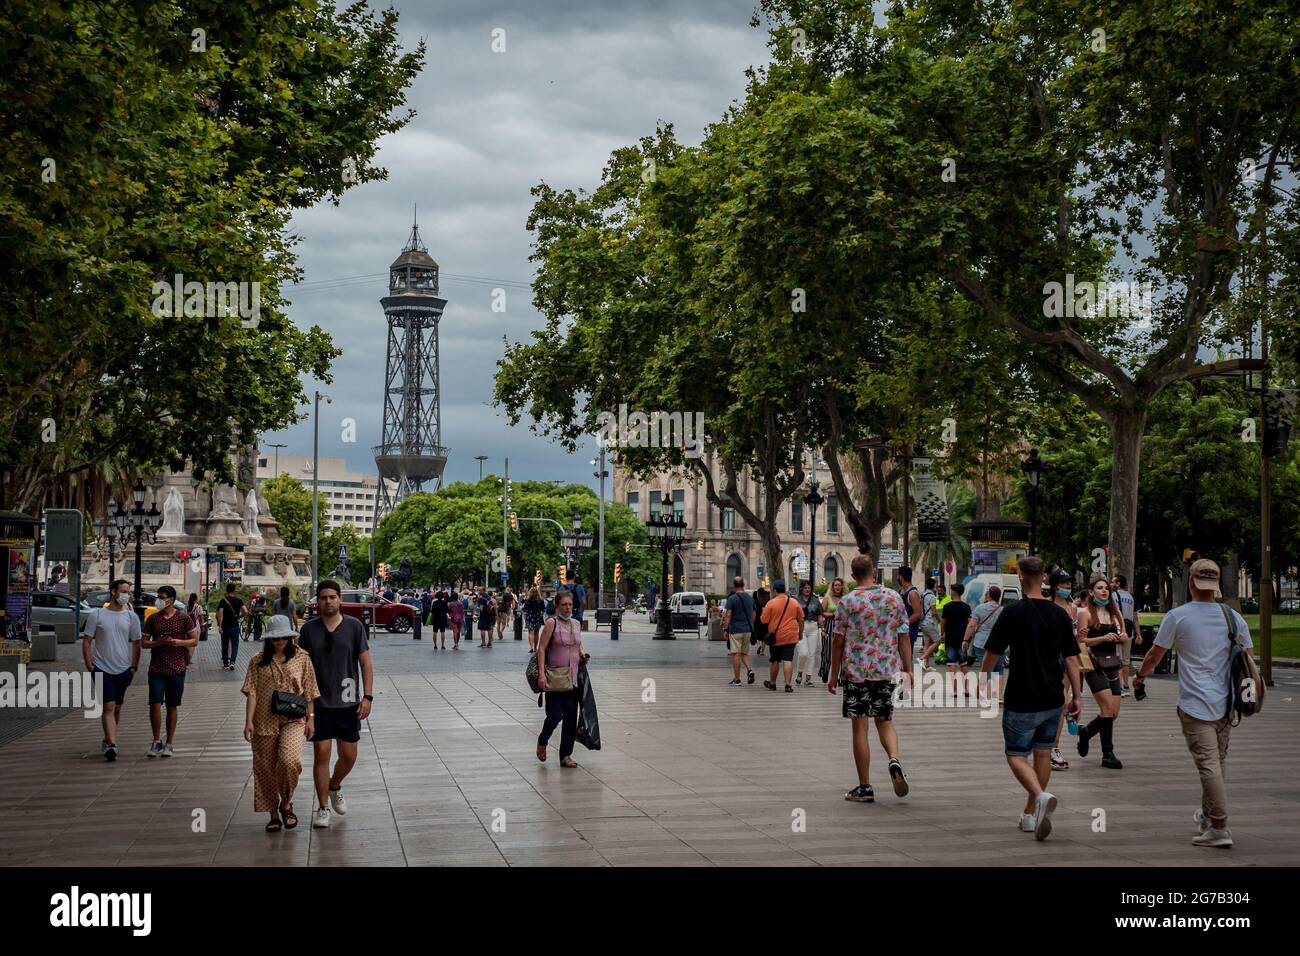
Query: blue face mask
[1099, 602]
[1063, 592]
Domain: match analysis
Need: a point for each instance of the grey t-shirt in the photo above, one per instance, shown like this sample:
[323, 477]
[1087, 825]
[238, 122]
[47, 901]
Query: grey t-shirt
[985, 615]
[113, 632]
[334, 657]
[743, 615]
[1200, 632]
[287, 608]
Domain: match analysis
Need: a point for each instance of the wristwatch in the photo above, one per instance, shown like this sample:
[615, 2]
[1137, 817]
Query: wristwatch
[370, 697]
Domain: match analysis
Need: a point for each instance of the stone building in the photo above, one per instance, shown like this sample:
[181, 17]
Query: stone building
[720, 545]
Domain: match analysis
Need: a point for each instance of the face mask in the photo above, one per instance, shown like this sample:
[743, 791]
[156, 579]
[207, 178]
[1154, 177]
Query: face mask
[1063, 592]
[160, 604]
[1099, 602]
[123, 599]
[562, 616]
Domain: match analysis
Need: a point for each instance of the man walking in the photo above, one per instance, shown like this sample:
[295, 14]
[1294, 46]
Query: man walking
[169, 635]
[869, 650]
[1041, 638]
[783, 619]
[738, 625]
[579, 598]
[110, 645]
[1202, 629]
[338, 649]
[229, 611]
[1128, 611]
[915, 612]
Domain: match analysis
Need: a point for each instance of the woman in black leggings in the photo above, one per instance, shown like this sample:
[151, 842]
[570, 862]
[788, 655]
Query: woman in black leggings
[1101, 627]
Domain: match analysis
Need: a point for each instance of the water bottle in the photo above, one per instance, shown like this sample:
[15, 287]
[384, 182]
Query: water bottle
[1072, 726]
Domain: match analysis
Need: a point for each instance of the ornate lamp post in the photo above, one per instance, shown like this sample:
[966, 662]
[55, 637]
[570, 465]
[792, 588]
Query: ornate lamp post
[107, 536]
[1034, 469]
[137, 525]
[667, 532]
[575, 542]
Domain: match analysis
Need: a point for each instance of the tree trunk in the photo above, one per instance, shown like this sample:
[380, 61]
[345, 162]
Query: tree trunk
[1126, 428]
[1231, 580]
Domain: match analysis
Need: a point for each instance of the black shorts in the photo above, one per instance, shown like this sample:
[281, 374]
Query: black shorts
[1099, 680]
[166, 689]
[872, 698]
[337, 723]
[783, 652]
[115, 685]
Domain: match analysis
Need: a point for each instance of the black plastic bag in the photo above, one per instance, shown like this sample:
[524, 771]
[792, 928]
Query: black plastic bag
[588, 722]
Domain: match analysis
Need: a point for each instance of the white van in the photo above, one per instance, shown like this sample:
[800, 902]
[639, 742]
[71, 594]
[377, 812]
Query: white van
[690, 602]
[977, 585]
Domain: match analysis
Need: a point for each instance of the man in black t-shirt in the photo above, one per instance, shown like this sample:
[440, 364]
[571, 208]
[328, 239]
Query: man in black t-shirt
[1041, 638]
[955, 616]
[340, 655]
[229, 610]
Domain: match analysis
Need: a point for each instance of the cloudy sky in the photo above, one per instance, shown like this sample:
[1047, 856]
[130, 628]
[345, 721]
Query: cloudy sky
[578, 78]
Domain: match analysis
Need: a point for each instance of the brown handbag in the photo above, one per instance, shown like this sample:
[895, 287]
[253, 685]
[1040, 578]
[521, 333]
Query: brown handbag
[560, 679]
[1085, 658]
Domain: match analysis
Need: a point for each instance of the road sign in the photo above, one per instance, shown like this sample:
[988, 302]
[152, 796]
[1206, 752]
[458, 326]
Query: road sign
[62, 534]
[891, 557]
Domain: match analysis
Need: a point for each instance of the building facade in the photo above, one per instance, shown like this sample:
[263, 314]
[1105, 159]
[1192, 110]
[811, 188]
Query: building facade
[347, 497]
[720, 545]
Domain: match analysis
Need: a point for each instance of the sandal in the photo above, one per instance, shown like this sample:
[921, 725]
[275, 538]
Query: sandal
[569, 763]
[274, 826]
[290, 818]
[541, 754]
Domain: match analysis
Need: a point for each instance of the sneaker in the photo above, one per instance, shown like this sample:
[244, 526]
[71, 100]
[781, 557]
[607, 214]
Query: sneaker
[733, 683]
[1126, 693]
[1043, 808]
[862, 793]
[155, 749]
[1058, 761]
[798, 678]
[103, 747]
[320, 819]
[751, 677]
[110, 752]
[167, 750]
[1111, 762]
[1198, 818]
[337, 802]
[1213, 837]
[769, 685]
[789, 689]
[1026, 823]
[898, 777]
[1084, 736]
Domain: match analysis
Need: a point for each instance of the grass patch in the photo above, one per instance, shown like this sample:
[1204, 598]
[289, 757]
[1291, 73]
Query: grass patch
[1286, 631]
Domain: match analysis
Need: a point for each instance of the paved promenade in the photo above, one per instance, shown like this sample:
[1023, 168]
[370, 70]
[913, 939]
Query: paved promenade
[691, 772]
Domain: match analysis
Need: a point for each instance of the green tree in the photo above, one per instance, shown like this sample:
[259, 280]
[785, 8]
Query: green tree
[358, 551]
[147, 139]
[290, 502]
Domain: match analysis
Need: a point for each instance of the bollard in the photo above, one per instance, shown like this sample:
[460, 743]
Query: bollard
[614, 620]
[519, 625]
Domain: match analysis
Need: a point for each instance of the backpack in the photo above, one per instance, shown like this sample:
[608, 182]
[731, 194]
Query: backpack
[1246, 687]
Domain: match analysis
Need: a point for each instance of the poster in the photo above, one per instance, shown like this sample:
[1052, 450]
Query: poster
[18, 590]
[932, 522]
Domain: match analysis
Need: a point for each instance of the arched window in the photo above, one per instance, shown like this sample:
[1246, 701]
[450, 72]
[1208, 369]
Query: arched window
[733, 570]
[831, 568]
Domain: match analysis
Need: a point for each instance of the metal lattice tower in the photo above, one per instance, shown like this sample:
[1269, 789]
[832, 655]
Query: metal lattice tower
[411, 450]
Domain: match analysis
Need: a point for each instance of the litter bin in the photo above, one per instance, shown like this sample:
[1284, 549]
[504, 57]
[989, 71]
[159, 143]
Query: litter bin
[715, 630]
[44, 643]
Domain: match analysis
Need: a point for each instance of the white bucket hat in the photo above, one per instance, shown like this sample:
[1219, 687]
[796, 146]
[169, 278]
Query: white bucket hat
[278, 626]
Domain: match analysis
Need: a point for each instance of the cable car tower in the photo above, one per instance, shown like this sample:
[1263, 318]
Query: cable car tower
[411, 452]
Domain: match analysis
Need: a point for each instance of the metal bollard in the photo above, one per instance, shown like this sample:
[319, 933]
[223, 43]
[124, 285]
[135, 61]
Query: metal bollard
[614, 620]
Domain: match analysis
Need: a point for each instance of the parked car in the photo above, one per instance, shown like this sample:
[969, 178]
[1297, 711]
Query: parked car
[976, 585]
[690, 602]
[100, 599]
[51, 607]
[392, 615]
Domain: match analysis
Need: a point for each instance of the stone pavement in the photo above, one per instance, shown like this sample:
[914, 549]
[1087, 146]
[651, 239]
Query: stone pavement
[703, 774]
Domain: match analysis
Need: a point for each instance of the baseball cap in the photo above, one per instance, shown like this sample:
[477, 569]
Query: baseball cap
[1205, 576]
[1060, 576]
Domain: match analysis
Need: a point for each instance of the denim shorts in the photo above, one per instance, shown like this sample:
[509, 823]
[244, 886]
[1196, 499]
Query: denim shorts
[166, 689]
[977, 659]
[1023, 732]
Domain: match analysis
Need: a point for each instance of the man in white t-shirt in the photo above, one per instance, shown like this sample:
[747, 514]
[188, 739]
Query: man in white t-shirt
[1200, 631]
[110, 645]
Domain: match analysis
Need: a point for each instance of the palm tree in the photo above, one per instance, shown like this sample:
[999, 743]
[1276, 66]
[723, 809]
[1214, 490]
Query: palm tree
[956, 548]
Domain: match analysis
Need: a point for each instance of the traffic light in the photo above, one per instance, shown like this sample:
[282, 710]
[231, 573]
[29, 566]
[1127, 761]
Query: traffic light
[563, 574]
[618, 572]
[537, 578]
[514, 521]
[507, 560]
[627, 546]
[699, 545]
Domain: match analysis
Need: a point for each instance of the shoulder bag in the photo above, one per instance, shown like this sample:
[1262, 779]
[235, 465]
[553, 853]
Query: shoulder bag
[775, 632]
[560, 679]
[1246, 687]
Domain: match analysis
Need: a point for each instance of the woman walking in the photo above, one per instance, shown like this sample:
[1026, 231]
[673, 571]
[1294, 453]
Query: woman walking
[808, 653]
[280, 671]
[199, 614]
[560, 650]
[533, 608]
[439, 613]
[1061, 585]
[761, 596]
[455, 617]
[486, 619]
[829, 603]
[1101, 629]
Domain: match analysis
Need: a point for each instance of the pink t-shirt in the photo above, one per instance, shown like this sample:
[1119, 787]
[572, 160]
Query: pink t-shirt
[565, 646]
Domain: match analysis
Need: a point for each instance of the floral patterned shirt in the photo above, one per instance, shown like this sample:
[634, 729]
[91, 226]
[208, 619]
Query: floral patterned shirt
[870, 618]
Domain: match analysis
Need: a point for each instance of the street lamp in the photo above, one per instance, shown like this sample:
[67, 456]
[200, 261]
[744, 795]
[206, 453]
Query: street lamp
[667, 531]
[315, 486]
[136, 525]
[1034, 469]
[575, 541]
[480, 459]
[108, 534]
[813, 500]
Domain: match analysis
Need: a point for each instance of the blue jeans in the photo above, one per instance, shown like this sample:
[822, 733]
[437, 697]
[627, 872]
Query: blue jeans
[229, 646]
[977, 658]
[1026, 731]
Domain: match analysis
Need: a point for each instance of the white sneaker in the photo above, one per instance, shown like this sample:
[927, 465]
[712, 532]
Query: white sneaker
[167, 750]
[320, 820]
[155, 749]
[1043, 808]
[1213, 837]
[338, 803]
[1026, 823]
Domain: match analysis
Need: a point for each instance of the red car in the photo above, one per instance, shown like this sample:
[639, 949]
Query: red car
[397, 618]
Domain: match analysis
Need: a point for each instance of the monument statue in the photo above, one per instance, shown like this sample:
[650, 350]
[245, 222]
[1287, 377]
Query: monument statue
[250, 515]
[225, 502]
[173, 525]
